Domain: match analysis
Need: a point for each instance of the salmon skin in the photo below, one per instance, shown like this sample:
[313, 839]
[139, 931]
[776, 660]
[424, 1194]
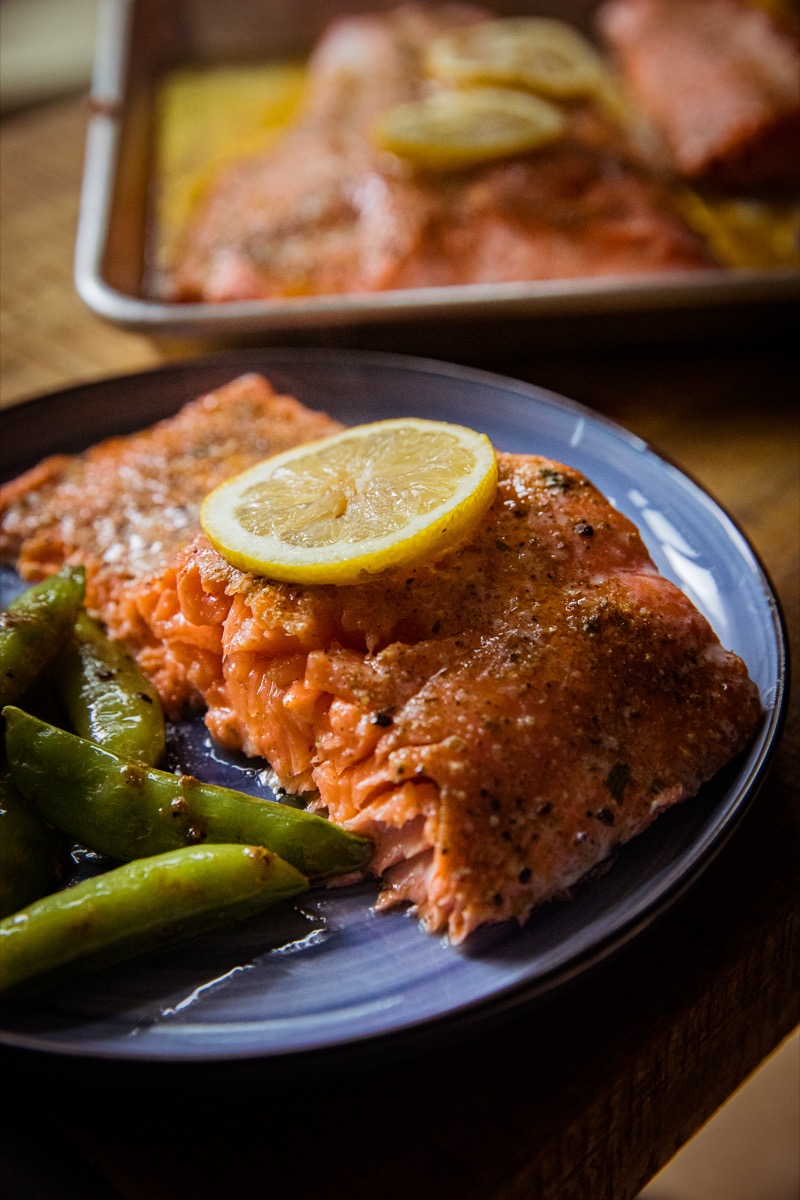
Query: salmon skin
[497, 720]
[325, 212]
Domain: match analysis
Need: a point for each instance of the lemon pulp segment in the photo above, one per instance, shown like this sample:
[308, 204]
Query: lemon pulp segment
[539, 53]
[462, 127]
[339, 509]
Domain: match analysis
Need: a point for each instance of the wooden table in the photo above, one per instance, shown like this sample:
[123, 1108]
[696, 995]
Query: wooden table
[585, 1096]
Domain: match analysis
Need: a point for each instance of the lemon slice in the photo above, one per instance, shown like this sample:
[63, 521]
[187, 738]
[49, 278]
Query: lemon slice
[460, 128]
[340, 509]
[539, 53]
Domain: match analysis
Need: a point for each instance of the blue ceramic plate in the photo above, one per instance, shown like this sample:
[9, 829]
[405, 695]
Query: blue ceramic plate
[329, 973]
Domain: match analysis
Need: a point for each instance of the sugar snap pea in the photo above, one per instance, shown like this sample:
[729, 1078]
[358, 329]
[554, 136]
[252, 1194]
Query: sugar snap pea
[138, 907]
[34, 627]
[106, 696]
[31, 851]
[129, 810]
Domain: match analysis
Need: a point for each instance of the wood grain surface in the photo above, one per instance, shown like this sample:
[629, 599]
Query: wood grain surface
[581, 1098]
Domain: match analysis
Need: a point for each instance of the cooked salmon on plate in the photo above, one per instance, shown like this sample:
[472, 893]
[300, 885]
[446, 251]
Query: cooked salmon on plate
[126, 506]
[497, 718]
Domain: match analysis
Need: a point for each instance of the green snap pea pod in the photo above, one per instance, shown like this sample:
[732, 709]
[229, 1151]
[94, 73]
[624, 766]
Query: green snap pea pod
[129, 810]
[138, 907]
[31, 851]
[106, 696]
[34, 627]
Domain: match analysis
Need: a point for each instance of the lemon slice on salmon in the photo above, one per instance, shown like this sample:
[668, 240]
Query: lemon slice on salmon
[540, 53]
[338, 510]
[452, 129]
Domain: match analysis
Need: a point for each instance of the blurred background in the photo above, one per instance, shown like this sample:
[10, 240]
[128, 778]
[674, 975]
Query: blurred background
[46, 49]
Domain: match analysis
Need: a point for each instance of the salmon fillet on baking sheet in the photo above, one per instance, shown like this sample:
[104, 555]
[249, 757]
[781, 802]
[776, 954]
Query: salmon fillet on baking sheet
[720, 81]
[324, 212]
[497, 719]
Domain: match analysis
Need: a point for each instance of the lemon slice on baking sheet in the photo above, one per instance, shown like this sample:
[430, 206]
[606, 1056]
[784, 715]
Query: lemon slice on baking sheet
[459, 128]
[540, 53]
[339, 509]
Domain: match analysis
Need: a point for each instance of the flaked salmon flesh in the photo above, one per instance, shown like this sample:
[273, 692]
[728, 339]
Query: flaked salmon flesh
[327, 212]
[498, 719]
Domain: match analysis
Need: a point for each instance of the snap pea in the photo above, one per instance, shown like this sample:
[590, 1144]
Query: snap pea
[33, 628]
[106, 697]
[31, 851]
[129, 810]
[138, 907]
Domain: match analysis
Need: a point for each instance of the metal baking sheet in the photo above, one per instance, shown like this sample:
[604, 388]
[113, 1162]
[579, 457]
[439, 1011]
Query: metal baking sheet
[139, 40]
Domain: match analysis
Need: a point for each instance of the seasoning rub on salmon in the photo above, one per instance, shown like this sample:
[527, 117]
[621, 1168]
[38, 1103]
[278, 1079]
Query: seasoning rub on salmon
[497, 720]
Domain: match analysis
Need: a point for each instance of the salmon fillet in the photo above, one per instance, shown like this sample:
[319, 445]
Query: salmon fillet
[497, 719]
[720, 80]
[325, 212]
[124, 507]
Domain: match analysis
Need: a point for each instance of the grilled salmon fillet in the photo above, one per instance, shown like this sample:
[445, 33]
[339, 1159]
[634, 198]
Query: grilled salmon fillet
[325, 212]
[497, 719]
[124, 507]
